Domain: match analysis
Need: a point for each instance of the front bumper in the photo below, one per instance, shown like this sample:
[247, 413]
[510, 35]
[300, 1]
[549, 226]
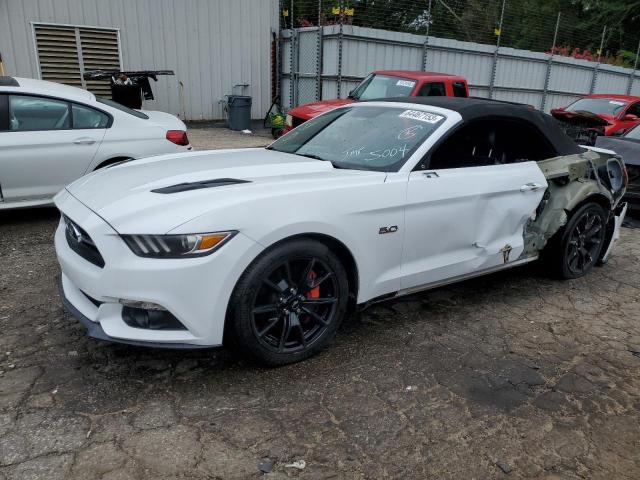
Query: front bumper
[94, 330]
[195, 290]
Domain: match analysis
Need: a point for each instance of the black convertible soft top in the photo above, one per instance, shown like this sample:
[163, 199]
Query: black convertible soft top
[477, 108]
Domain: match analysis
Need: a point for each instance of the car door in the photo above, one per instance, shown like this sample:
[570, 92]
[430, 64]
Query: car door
[40, 150]
[626, 122]
[432, 89]
[468, 203]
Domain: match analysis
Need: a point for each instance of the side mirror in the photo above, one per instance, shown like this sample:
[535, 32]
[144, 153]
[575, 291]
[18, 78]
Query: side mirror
[630, 118]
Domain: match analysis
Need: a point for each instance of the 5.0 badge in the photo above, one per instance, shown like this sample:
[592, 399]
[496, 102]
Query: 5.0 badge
[391, 229]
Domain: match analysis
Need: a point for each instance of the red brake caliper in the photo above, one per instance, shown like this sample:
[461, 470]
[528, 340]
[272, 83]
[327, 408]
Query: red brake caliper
[314, 292]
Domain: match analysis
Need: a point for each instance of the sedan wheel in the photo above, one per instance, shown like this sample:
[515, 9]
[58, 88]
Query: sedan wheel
[290, 302]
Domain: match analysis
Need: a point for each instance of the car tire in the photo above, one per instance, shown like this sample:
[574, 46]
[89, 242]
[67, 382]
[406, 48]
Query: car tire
[576, 248]
[289, 303]
[109, 163]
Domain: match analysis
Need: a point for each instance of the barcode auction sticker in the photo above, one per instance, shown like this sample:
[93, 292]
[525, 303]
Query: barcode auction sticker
[405, 83]
[421, 116]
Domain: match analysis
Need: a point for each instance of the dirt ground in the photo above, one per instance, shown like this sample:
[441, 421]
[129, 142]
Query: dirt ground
[514, 375]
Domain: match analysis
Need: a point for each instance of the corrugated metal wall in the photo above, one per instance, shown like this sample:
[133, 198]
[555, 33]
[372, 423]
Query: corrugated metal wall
[520, 74]
[210, 44]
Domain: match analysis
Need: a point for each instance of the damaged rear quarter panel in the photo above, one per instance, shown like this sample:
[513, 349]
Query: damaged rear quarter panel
[572, 179]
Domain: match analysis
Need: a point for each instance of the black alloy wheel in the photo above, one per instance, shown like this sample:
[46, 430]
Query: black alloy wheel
[295, 304]
[585, 242]
[576, 249]
[290, 302]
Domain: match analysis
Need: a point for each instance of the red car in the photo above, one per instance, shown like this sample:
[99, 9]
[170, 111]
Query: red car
[605, 114]
[386, 84]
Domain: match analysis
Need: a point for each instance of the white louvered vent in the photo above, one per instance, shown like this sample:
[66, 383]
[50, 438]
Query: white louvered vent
[58, 55]
[65, 53]
[99, 52]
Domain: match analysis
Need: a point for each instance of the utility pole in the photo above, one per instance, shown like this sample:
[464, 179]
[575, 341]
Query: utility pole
[547, 77]
[340, 35]
[494, 69]
[594, 79]
[632, 77]
[426, 40]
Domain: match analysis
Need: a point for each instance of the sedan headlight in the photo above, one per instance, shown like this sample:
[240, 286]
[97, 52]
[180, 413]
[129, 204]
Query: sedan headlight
[177, 246]
[288, 121]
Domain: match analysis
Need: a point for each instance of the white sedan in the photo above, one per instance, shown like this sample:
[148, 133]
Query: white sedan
[52, 134]
[366, 202]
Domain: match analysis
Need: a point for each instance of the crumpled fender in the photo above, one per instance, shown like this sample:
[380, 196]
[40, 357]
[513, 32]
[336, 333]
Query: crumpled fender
[572, 179]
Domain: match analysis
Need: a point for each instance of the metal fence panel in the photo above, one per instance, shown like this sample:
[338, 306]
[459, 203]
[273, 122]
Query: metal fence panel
[520, 73]
[555, 100]
[306, 62]
[569, 78]
[528, 98]
[611, 80]
[532, 78]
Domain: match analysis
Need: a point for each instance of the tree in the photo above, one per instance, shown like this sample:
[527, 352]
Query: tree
[528, 24]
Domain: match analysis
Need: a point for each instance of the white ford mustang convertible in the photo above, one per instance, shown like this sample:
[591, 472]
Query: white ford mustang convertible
[272, 247]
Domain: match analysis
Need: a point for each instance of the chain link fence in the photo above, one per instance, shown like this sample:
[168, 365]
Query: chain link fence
[521, 24]
[570, 32]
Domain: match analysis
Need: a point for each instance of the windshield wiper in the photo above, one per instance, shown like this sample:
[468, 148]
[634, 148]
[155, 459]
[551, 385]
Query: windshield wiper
[316, 157]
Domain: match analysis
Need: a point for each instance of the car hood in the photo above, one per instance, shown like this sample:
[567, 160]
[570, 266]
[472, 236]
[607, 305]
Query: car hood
[134, 197]
[628, 149]
[311, 110]
[582, 117]
[165, 120]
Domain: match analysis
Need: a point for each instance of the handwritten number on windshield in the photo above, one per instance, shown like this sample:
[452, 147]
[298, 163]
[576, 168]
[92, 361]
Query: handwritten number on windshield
[409, 132]
[390, 152]
[352, 152]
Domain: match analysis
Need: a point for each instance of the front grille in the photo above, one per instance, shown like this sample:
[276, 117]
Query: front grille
[80, 242]
[581, 134]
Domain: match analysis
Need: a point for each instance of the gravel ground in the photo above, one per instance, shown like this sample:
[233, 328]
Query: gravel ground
[204, 136]
[511, 376]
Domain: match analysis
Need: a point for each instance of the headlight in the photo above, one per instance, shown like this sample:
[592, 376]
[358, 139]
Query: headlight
[177, 246]
[288, 121]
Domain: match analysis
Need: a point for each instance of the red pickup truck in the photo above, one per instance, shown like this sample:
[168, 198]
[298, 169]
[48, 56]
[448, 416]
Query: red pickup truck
[386, 84]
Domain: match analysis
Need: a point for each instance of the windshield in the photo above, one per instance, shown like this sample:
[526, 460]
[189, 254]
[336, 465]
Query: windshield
[633, 133]
[121, 107]
[382, 86]
[362, 138]
[598, 106]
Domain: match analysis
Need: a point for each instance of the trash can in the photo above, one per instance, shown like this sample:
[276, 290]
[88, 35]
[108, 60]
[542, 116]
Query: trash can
[127, 95]
[239, 112]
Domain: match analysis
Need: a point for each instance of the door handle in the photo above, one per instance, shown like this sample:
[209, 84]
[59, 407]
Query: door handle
[531, 187]
[84, 141]
[431, 174]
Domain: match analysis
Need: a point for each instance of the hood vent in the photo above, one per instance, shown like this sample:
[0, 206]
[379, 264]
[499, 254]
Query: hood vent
[185, 187]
